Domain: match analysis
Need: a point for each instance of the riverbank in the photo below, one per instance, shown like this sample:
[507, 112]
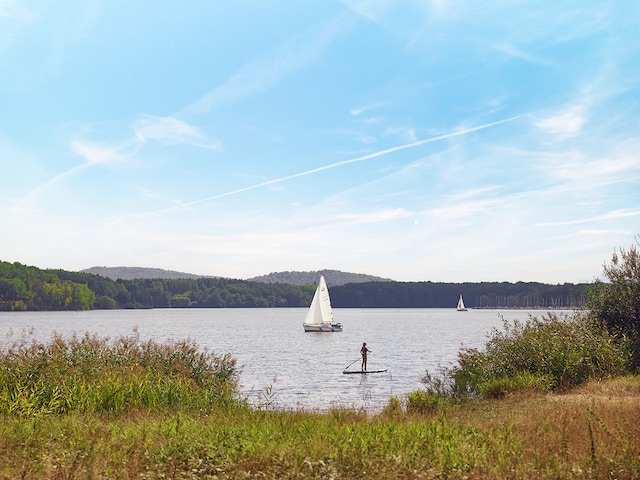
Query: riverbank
[588, 432]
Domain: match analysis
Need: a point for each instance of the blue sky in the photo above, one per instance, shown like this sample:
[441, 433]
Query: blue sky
[416, 140]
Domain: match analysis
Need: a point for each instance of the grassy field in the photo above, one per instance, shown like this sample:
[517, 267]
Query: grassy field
[590, 432]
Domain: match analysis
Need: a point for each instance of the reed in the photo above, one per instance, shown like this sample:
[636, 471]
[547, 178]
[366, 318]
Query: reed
[551, 353]
[90, 374]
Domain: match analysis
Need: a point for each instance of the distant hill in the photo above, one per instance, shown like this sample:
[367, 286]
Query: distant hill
[131, 273]
[333, 277]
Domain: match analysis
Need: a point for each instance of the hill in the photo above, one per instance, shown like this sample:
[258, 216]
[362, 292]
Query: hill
[333, 277]
[131, 273]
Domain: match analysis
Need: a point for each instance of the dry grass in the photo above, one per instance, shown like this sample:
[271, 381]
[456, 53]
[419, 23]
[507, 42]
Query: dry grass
[590, 432]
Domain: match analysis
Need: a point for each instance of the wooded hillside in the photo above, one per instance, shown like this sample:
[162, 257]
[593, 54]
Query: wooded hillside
[30, 288]
[333, 277]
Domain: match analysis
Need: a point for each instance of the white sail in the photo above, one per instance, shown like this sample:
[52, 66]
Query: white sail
[461, 307]
[320, 315]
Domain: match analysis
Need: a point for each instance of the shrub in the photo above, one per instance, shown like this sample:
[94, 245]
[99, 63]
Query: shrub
[616, 303]
[424, 401]
[393, 407]
[90, 374]
[520, 382]
[548, 353]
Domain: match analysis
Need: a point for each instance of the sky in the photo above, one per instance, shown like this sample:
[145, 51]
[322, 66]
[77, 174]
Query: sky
[442, 140]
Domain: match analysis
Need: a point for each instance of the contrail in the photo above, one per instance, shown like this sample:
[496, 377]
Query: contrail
[345, 162]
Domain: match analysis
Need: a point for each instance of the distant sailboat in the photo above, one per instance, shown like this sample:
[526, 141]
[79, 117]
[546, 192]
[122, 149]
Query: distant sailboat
[320, 315]
[461, 307]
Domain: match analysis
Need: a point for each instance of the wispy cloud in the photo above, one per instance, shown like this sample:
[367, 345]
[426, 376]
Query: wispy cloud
[566, 123]
[513, 51]
[171, 131]
[96, 154]
[408, 133]
[166, 130]
[576, 169]
[612, 215]
[93, 154]
[269, 70]
[363, 158]
[358, 110]
[12, 10]
[384, 215]
[13, 17]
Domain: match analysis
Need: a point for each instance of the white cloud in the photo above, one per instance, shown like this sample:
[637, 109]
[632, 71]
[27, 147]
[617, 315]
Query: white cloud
[373, 10]
[407, 133]
[13, 19]
[171, 131]
[566, 123]
[267, 71]
[375, 217]
[95, 154]
[358, 110]
[11, 9]
[456, 133]
[513, 51]
[576, 169]
[612, 215]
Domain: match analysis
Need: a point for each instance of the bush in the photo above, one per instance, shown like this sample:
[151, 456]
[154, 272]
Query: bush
[425, 401]
[548, 353]
[616, 303]
[90, 374]
[394, 407]
[520, 382]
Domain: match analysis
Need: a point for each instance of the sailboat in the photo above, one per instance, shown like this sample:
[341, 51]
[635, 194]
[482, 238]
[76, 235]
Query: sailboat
[320, 316]
[461, 307]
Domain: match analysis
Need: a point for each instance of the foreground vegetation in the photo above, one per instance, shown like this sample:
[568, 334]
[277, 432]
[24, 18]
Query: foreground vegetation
[127, 408]
[588, 433]
[550, 397]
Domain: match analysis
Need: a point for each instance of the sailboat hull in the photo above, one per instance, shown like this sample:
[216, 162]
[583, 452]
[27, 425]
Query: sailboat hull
[325, 327]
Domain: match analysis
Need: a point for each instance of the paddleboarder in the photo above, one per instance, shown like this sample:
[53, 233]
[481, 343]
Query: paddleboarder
[363, 351]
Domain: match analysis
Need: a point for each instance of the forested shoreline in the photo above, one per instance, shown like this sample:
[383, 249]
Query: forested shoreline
[30, 288]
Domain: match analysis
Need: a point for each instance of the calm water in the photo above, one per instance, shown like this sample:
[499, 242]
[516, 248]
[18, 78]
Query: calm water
[301, 370]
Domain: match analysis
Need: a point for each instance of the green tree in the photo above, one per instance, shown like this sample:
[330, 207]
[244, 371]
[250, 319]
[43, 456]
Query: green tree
[13, 292]
[105, 303]
[180, 301]
[616, 301]
[82, 298]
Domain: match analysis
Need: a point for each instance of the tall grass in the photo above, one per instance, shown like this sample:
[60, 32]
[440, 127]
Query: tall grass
[551, 353]
[589, 434]
[91, 374]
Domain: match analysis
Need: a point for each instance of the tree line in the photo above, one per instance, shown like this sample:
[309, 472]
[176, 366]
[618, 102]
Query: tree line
[29, 288]
[525, 295]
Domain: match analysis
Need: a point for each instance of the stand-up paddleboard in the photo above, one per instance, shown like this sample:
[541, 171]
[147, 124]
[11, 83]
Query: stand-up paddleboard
[363, 371]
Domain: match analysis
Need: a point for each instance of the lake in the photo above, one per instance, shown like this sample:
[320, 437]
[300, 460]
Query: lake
[280, 362]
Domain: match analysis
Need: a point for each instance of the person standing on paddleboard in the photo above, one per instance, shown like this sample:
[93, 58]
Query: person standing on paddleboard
[363, 351]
